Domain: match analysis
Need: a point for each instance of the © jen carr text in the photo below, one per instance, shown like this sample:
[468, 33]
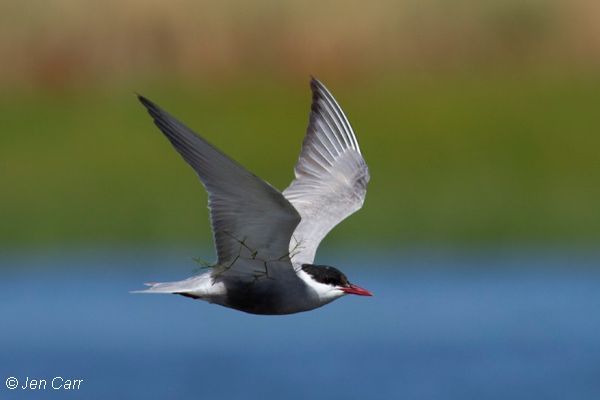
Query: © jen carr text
[56, 383]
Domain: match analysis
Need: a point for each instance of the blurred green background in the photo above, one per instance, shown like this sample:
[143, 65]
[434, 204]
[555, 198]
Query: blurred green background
[479, 120]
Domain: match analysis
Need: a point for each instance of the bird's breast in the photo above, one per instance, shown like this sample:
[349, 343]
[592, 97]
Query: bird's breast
[270, 296]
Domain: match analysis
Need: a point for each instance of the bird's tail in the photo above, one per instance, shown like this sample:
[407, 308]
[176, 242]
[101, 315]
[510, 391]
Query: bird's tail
[162, 287]
[186, 287]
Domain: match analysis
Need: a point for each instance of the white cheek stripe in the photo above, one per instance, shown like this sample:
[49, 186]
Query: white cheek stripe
[325, 292]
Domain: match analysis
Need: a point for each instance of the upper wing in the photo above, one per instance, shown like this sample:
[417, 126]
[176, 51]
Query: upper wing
[331, 175]
[250, 218]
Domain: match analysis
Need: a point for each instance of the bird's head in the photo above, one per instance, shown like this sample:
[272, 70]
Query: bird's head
[329, 282]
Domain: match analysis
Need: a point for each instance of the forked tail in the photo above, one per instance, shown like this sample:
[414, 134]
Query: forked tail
[197, 287]
[165, 287]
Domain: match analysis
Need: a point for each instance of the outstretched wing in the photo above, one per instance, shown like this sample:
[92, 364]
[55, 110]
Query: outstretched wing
[250, 218]
[331, 175]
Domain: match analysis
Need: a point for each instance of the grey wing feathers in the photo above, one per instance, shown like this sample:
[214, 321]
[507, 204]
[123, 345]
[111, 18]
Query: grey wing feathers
[248, 215]
[331, 175]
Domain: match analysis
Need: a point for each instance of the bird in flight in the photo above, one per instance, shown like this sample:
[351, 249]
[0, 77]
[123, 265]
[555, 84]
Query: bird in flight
[265, 239]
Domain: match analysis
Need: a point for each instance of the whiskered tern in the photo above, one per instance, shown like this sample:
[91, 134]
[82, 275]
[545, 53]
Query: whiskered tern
[265, 239]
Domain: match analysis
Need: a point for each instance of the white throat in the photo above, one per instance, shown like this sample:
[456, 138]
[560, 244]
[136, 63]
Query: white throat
[325, 293]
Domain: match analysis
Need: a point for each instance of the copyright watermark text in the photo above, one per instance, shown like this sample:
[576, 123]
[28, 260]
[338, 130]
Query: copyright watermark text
[54, 383]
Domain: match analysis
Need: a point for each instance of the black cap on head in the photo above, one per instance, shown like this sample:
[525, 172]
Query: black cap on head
[326, 274]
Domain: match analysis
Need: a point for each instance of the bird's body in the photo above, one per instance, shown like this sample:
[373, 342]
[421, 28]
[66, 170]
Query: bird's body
[266, 240]
[283, 293]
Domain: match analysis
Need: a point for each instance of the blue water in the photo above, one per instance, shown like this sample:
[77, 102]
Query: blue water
[487, 326]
